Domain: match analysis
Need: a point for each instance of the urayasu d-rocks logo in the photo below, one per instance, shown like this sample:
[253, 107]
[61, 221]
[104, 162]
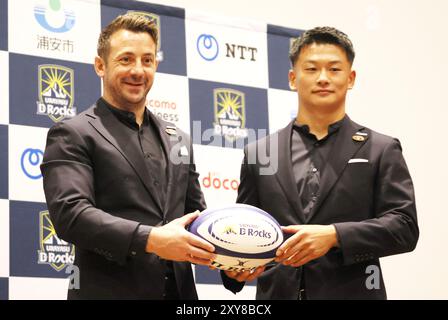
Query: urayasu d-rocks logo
[230, 117]
[56, 92]
[53, 251]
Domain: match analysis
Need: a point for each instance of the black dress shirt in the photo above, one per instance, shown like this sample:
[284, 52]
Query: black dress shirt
[309, 156]
[146, 138]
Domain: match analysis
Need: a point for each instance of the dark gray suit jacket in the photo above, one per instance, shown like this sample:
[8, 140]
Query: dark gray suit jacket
[371, 204]
[99, 191]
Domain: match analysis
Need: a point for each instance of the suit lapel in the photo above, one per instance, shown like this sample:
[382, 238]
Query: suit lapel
[285, 175]
[115, 133]
[344, 148]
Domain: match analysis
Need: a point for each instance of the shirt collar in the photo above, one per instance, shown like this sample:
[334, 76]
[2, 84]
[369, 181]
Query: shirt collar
[332, 128]
[124, 116]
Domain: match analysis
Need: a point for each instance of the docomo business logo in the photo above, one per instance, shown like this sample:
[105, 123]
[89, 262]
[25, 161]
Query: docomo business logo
[214, 181]
[157, 104]
[165, 110]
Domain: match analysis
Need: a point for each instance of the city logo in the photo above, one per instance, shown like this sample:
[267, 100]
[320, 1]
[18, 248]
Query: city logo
[53, 251]
[156, 19]
[30, 162]
[230, 117]
[56, 92]
[207, 47]
[53, 17]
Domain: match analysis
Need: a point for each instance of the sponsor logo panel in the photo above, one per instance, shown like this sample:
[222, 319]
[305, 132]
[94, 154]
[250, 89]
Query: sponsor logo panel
[168, 100]
[52, 91]
[217, 51]
[26, 151]
[227, 115]
[58, 29]
[35, 248]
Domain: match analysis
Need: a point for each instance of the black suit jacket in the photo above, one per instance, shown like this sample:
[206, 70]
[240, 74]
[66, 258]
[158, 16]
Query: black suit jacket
[371, 204]
[99, 191]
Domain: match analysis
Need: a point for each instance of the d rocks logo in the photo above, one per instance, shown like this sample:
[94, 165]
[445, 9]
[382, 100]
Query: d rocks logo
[53, 251]
[56, 92]
[230, 114]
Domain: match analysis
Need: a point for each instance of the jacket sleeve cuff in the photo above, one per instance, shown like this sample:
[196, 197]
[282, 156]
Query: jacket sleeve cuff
[139, 241]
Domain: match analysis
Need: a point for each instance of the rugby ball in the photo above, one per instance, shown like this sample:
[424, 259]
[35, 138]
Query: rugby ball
[244, 237]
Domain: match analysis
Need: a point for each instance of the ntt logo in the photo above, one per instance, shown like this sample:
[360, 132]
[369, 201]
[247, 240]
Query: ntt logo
[207, 46]
[30, 162]
[215, 182]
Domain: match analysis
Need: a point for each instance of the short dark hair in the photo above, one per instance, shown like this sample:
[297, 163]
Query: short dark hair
[130, 21]
[322, 35]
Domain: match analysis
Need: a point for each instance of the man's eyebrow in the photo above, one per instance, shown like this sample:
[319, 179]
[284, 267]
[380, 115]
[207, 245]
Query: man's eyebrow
[315, 61]
[132, 53]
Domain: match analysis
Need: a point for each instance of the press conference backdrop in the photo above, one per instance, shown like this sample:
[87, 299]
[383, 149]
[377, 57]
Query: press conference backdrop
[217, 78]
[209, 61]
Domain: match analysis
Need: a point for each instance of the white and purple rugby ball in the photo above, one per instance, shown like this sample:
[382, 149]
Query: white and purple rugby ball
[244, 236]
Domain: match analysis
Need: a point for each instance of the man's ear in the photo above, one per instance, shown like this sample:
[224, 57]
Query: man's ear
[100, 66]
[351, 79]
[292, 80]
